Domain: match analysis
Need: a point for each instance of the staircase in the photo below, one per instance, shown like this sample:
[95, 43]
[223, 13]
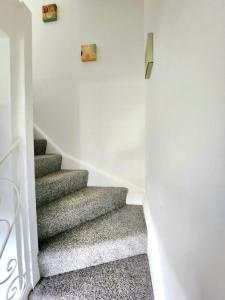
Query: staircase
[91, 244]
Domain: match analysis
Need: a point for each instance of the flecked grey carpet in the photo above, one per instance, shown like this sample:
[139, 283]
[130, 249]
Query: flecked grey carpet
[77, 208]
[40, 147]
[116, 235]
[127, 279]
[88, 235]
[59, 184]
[48, 163]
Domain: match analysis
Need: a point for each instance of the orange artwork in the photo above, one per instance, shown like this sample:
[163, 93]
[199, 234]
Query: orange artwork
[49, 13]
[88, 52]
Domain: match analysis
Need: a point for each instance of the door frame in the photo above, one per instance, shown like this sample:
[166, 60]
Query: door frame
[15, 21]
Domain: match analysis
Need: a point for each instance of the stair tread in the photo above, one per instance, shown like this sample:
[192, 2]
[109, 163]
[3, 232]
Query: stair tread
[46, 156]
[123, 279]
[59, 184]
[40, 146]
[116, 235]
[77, 208]
[47, 164]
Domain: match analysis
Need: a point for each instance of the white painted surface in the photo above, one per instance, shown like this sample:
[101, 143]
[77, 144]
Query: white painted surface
[5, 103]
[93, 111]
[186, 148]
[15, 21]
[6, 192]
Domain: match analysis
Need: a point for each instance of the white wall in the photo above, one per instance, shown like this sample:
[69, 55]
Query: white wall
[186, 148]
[5, 105]
[93, 111]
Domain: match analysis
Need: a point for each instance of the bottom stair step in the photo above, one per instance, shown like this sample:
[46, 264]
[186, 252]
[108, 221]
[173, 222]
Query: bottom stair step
[116, 235]
[119, 280]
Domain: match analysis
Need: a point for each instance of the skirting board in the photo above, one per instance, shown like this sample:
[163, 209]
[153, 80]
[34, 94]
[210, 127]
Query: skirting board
[165, 283]
[153, 254]
[97, 177]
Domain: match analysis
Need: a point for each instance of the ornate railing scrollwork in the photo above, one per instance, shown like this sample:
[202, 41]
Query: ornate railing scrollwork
[18, 284]
[11, 266]
[6, 236]
[12, 289]
[10, 226]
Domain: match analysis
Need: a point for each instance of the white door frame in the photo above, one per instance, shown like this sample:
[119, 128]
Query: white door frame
[15, 21]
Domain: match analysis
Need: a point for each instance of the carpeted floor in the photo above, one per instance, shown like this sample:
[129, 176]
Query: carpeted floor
[123, 279]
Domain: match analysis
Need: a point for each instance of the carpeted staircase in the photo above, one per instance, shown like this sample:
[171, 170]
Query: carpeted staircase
[91, 244]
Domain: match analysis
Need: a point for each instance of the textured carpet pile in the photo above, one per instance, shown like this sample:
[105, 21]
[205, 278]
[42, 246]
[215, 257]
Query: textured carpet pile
[92, 245]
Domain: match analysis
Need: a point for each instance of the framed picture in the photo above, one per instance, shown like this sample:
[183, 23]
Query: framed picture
[88, 52]
[49, 13]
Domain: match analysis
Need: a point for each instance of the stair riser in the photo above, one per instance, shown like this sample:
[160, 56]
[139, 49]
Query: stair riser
[59, 220]
[49, 191]
[47, 165]
[40, 147]
[81, 258]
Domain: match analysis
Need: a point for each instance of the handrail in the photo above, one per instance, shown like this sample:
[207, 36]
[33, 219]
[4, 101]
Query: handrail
[11, 149]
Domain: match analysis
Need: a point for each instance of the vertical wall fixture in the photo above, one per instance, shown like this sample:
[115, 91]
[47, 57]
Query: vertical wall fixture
[149, 55]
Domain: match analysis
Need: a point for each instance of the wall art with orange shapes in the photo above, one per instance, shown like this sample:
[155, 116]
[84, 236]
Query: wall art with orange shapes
[88, 52]
[49, 13]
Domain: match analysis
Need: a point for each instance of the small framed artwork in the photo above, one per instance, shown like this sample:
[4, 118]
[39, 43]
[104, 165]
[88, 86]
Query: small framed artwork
[88, 52]
[49, 13]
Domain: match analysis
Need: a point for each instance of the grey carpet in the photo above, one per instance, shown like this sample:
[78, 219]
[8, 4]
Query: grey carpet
[116, 235]
[77, 208]
[89, 231]
[40, 146]
[47, 164]
[59, 184]
[127, 279]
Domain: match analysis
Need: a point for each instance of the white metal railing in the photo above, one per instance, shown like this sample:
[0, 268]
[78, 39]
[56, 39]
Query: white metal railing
[13, 147]
[17, 285]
